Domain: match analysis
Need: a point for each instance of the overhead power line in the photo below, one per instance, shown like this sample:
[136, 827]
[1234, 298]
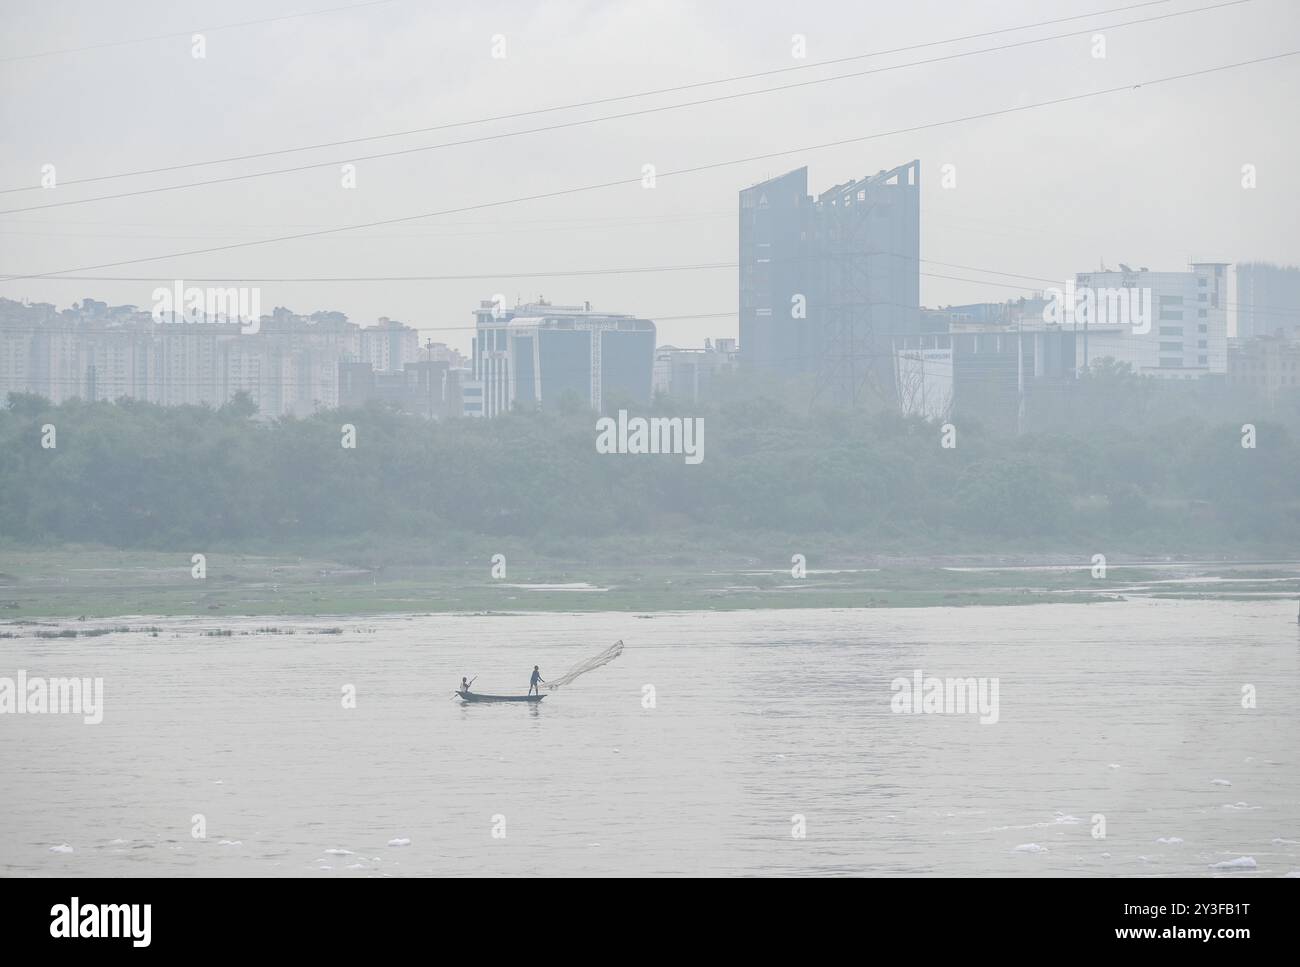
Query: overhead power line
[334, 163]
[592, 103]
[695, 169]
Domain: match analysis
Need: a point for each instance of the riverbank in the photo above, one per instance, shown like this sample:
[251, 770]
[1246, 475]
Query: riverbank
[38, 584]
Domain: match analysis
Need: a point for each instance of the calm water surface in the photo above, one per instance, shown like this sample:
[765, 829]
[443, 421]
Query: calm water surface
[1130, 711]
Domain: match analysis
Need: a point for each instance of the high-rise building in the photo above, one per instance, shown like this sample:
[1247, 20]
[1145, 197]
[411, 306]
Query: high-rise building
[92, 351]
[56, 371]
[189, 360]
[389, 346]
[314, 348]
[1186, 334]
[260, 369]
[537, 353]
[826, 282]
[292, 364]
[118, 362]
[1268, 300]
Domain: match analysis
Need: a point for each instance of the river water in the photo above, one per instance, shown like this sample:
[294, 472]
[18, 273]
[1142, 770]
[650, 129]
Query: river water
[764, 744]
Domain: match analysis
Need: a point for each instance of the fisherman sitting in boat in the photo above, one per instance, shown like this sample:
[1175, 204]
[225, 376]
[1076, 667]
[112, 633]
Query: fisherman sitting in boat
[465, 684]
[532, 682]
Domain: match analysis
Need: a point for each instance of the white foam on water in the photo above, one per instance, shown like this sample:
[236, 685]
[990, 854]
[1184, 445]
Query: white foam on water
[1030, 848]
[61, 848]
[232, 842]
[399, 841]
[1170, 840]
[339, 852]
[1240, 863]
[1220, 782]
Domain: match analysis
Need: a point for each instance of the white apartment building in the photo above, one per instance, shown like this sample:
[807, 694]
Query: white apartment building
[389, 346]
[97, 352]
[189, 357]
[1188, 325]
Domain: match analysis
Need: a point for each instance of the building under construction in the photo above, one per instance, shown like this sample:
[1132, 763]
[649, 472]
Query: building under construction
[827, 282]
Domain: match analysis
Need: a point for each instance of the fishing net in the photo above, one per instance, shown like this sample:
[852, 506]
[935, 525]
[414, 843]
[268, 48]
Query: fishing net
[604, 658]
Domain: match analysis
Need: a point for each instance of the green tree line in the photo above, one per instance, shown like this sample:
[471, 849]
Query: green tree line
[132, 474]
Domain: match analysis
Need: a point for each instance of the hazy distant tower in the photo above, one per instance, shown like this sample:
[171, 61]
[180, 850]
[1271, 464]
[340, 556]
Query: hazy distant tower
[826, 282]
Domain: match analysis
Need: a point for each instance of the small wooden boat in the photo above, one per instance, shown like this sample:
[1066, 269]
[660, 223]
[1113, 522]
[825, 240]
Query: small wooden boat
[476, 697]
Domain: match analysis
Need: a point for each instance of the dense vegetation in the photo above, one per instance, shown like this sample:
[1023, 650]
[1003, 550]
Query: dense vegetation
[132, 474]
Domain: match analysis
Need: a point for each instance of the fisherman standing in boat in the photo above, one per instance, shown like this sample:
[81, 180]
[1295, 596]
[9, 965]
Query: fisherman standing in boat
[532, 682]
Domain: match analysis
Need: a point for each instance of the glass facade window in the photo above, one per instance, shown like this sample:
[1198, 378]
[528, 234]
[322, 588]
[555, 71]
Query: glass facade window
[525, 390]
[624, 373]
[565, 358]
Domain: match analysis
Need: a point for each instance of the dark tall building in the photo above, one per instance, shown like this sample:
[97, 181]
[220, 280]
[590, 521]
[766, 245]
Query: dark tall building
[774, 225]
[826, 282]
[1268, 300]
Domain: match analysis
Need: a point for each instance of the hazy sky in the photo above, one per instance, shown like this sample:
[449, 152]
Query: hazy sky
[1151, 176]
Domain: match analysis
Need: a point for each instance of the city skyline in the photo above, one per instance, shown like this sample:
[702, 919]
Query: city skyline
[870, 428]
[1000, 215]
